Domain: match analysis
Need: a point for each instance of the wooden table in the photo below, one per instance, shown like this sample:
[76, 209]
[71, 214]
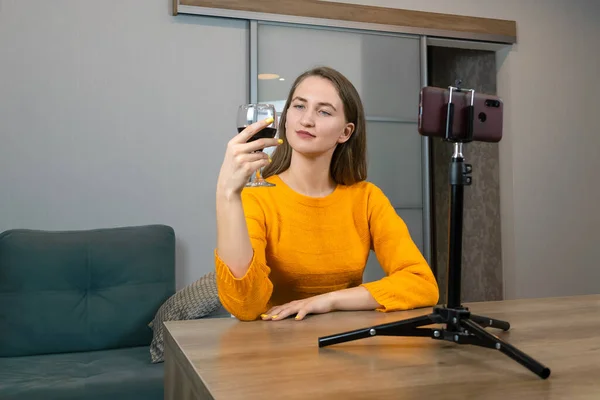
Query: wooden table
[229, 359]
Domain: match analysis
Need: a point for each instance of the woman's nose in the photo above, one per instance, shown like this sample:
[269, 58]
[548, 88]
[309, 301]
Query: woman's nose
[307, 118]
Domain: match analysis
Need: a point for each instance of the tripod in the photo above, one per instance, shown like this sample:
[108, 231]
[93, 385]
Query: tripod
[461, 326]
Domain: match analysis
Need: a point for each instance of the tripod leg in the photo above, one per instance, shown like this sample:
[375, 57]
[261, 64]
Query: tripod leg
[494, 323]
[534, 366]
[408, 327]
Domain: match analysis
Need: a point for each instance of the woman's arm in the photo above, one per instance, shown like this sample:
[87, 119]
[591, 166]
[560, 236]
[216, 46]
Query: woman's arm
[353, 299]
[242, 273]
[409, 283]
[233, 242]
[241, 159]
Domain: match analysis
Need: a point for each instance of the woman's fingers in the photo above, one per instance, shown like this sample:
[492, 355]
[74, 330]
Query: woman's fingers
[245, 158]
[285, 312]
[280, 312]
[301, 314]
[248, 164]
[259, 144]
[269, 314]
[251, 130]
[243, 143]
[256, 165]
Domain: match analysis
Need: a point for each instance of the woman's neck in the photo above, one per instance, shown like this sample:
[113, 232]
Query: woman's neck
[309, 176]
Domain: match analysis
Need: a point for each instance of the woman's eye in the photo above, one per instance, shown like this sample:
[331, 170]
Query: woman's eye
[299, 106]
[325, 112]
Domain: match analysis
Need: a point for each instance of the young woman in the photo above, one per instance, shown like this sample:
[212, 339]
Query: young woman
[301, 246]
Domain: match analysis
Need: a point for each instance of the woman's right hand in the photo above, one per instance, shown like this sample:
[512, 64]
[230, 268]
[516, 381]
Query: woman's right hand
[242, 159]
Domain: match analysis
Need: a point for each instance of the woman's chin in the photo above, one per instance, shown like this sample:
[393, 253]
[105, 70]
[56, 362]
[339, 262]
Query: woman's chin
[312, 152]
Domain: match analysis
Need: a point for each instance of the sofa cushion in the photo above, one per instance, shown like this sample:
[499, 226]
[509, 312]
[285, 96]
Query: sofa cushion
[82, 290]
[107, 374]
[197, 300]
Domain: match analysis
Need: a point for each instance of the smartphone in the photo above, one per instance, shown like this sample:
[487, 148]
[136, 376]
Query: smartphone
[487, 121]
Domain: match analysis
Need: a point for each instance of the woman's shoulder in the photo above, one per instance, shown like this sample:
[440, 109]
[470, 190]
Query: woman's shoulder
[369, 194]
[365, 187]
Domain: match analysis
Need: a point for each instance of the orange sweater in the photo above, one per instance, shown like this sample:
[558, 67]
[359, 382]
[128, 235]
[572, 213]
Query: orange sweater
[305, 246]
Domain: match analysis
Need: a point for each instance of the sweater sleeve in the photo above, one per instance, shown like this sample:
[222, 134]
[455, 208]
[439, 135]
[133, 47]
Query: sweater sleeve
[409, 283]
[247, 297]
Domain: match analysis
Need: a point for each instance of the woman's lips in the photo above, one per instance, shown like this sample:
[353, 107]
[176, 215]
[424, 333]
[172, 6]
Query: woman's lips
[305, 134]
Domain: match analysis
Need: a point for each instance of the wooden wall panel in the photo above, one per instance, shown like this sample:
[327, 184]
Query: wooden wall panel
[418, 22]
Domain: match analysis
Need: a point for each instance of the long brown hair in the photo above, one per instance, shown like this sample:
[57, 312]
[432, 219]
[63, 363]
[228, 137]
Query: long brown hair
[349, 160]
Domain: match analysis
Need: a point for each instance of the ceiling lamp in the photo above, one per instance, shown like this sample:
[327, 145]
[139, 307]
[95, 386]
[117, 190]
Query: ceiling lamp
[267, 76]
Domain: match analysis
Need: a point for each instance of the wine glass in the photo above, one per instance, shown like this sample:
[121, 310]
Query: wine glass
[249, 114]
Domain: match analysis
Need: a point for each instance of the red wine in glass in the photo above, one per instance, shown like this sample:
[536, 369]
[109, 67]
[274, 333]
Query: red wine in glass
[249, 114]
[266, 133]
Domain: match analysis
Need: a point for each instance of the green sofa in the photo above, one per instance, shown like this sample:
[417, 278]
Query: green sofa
[75, 308]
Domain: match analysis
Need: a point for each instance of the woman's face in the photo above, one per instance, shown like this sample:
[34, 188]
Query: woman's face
[315, 120]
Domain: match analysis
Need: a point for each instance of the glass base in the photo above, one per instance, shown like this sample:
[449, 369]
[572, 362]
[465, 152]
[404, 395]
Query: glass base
[259, 183]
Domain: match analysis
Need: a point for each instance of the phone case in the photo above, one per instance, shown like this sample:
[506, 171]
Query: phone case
[433, 103]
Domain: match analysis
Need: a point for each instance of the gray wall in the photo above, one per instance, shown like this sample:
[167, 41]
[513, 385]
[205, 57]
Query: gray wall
[84, 84]
[117, 113]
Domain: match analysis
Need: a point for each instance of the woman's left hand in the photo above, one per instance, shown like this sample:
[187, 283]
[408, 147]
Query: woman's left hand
[320, 304]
